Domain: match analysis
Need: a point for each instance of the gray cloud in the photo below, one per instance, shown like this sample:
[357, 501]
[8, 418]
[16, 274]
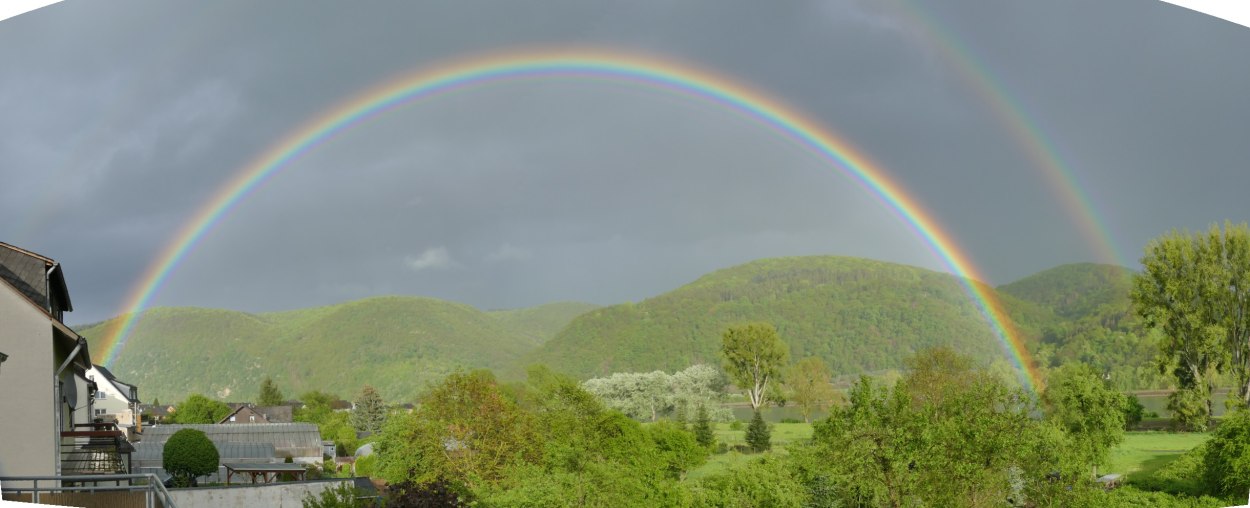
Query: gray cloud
[117, 132]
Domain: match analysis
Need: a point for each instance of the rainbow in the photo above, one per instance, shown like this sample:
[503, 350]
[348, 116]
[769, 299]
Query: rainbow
[672, 77]
[1041, 151]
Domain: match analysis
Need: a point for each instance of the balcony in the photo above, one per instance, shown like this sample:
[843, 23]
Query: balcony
[95, 449]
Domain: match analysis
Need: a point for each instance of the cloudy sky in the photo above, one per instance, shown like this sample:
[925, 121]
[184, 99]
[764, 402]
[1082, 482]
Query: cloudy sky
[120, 119]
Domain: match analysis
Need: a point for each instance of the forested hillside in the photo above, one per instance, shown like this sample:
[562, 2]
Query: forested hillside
[397, 344]
[858, 315]
[1091, 320]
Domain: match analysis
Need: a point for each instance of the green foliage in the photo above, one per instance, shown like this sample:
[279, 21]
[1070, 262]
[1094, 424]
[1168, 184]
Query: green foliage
[677, 448]
[270, 395]
[1130, 497]
[1133, 411]
[342, 495]
[856, 315]
[1182, 475]
[369, 412]
[316, 407]
[199, 409]
[765, 481]
[188, 454]
[367, 466]
[1091, 414]
[465, 432]
[399, 345]
[1084, 314]
[754, 356]
[703, 428]
[947, 434]
[1227, 459]
[809, 385]
[759, 436]
[1194, 290]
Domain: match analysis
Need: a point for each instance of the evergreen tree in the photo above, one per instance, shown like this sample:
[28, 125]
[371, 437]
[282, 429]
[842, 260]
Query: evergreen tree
[703, 428]
[759, 438]
[270, 395]
[369, 412]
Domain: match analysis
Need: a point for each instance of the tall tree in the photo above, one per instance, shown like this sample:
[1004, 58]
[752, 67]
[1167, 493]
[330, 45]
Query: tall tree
[369, 411]
[316, 407]
[1195, 288]
[753, 357]
[1084, 407]
[270, 395]
[809, 386]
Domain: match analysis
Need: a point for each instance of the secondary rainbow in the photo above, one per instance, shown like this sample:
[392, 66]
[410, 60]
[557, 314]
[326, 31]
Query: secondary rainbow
[1022, 127]
[672, 77]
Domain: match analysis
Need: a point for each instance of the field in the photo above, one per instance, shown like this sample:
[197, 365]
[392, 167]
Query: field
[1141, 453]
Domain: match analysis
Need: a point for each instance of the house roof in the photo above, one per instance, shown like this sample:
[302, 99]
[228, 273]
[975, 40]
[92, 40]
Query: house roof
[280, 435]
[131, 392]
[34, 276]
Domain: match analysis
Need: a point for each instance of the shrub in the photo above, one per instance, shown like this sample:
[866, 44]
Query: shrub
[188, 454]
[735, 425]
[703, 428]
[342, 496]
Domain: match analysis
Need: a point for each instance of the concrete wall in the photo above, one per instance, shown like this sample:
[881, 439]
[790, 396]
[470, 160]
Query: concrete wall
[276, 495]
[27, 412]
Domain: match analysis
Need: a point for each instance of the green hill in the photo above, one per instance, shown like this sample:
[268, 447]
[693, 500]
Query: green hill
[1093, 322]
[856, 314]
[397, 344]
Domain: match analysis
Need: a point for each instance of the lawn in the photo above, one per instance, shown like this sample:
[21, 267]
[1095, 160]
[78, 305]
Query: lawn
[1143, 453]
[783, 434]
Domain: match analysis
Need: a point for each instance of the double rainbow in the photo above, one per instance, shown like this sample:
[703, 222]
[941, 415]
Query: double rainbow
[679, 79]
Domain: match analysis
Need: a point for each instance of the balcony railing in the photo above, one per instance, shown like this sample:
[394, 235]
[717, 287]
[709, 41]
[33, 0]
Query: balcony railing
[127, 490]
[100, 450]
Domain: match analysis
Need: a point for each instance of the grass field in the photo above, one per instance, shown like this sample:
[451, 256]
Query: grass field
[1141, 453]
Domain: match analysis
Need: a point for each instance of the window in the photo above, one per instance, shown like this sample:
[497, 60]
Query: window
[99, 412]
[253, 417]
[101, 395]
[232, 418]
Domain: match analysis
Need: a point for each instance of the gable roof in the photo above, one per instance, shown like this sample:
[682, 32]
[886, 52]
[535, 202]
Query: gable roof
[38, 277]
[131, 392]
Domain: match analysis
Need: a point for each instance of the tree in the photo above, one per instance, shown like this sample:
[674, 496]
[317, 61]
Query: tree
[316, 407]
[369, 412]
[759, 437]
[1092, 414]
[1195, 288]
[188, 454]
[200, 409]
[753, 357]
[342, 496]
[703, 428]
[1134, 411]
[809, 385]
[270, 395]
[650, 395]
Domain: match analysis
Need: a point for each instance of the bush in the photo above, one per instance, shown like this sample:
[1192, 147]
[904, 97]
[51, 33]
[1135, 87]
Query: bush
[188, 454]
[735, 425]
[762, 482]
[759, 437]
[791, 420]
[1227, 460]
[1133, 411]
[342, 496]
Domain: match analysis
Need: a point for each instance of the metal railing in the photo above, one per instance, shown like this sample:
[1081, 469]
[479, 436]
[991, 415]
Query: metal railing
[153, 490]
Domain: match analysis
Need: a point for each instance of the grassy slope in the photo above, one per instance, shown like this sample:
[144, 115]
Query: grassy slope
[397, 344]
[858, 315]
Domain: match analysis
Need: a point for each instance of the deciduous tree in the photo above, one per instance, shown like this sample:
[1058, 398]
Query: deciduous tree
[809, 386]
[188, 454]
[200, 409]
[1091, 413]
[1195, 288]
[753, 357]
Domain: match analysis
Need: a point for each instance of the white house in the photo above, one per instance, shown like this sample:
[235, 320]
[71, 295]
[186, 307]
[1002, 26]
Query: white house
[115, 401]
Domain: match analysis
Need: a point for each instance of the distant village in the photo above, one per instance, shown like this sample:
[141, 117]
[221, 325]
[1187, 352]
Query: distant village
[76, 434]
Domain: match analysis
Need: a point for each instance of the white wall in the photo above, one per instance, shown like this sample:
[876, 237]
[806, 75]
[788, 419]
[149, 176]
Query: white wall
[276, 495]
[27, 412]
